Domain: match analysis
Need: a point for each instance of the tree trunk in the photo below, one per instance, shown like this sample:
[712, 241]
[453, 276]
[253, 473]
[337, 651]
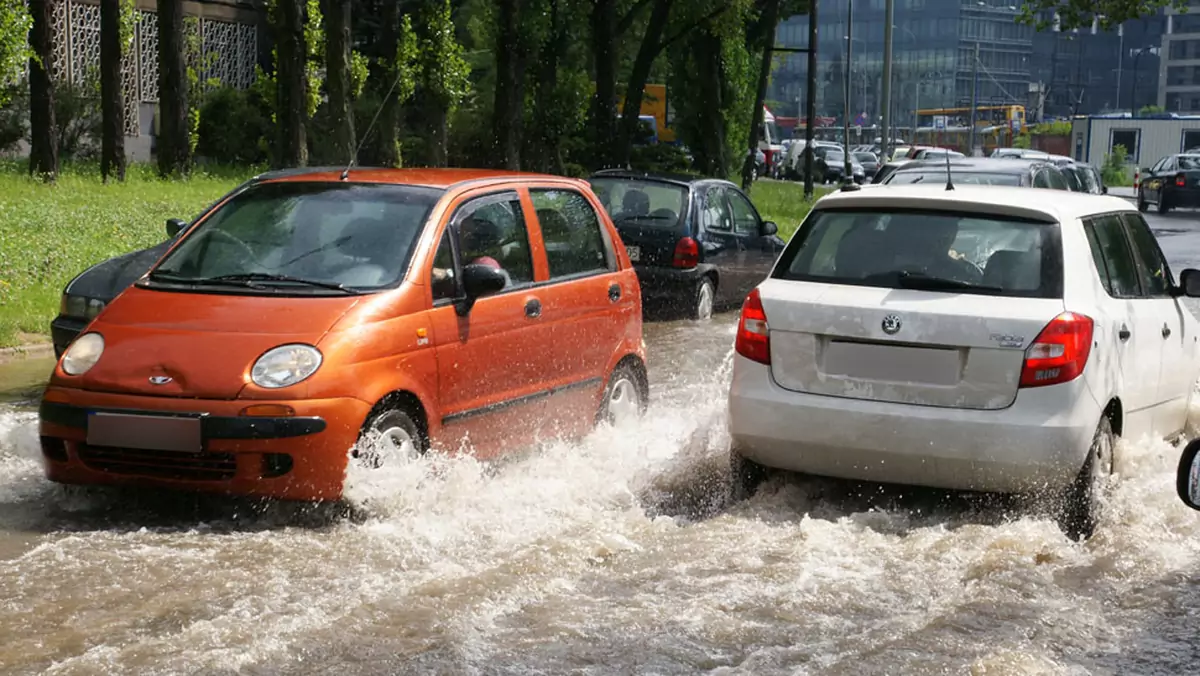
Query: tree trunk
[547, 144]
[389, 116]
[604, 105]
[112, 96]
[291, 85]
[710, 152]
[43, 150]
[771, 20]
[635, 88]
[439, 128]
[174, 151]
[337, 77]
[510, 95]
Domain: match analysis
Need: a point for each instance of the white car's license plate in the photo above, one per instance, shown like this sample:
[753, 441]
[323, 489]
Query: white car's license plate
[635, 253]
[148, 432]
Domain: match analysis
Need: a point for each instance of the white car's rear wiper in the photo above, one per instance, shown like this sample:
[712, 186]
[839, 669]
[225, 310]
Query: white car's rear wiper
[924, 282]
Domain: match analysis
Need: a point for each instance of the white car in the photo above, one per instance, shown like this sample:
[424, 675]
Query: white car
[987, 338]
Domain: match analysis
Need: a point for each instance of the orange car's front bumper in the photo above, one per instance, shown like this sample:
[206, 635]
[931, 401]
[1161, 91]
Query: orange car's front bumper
[298, 451]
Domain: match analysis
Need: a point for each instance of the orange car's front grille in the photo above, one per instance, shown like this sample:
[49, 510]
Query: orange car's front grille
[160, 464]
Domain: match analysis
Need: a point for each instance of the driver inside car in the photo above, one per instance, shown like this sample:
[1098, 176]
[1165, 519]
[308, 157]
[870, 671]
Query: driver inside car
[480, 243]
[924, 245]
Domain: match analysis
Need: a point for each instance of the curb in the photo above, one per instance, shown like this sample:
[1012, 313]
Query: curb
[30, 351]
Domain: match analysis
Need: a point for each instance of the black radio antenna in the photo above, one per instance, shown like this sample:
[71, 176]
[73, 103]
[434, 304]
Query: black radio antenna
[949, 181]
[370, 127]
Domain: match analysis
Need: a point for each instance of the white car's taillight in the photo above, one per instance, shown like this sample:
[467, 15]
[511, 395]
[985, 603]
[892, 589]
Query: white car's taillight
[753, 341]
[1060, 351]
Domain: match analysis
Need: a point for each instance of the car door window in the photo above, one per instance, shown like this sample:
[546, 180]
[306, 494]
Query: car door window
[574, 239]
[745, 218]
[1158, 166]
[1153, 271]
[714, 211]
[490, 231]
[443, 277]
[1112, 256]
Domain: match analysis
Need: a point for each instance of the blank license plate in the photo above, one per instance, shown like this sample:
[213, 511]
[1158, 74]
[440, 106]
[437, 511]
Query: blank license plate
[635, 253]
[148, 432]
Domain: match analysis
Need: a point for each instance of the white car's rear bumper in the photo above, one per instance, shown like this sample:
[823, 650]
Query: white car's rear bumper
[1039, 441]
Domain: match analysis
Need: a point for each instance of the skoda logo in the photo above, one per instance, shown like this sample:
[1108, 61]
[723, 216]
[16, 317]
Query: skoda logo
[891, 324]
[160, 380]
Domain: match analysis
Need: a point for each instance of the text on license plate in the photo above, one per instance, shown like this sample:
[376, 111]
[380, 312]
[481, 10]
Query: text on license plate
[148, 432]
[635, 253]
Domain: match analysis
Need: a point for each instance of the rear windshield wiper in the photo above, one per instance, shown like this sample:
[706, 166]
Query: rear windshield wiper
[249, 279]
[924, 282]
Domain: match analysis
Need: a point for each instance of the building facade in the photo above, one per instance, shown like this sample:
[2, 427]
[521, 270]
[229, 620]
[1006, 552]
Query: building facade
[1052, 73]
[225, 44]
[1179, 66]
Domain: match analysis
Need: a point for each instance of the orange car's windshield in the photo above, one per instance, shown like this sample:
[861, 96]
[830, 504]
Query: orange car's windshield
[344, 237]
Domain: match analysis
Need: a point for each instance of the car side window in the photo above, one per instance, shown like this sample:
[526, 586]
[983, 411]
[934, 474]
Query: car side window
[1055, 180]
[571, 232]
[1039, 179]
[444, 275]
[1152, 268]
[714, 211]
[488, 231]
[745, 218]
[1112, 256]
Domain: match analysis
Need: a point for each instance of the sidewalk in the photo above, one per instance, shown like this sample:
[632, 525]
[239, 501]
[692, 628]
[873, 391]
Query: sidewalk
[1123, 191]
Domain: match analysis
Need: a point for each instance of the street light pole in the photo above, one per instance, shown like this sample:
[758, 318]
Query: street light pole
[811, 103]
[846, 87]
[885, 137]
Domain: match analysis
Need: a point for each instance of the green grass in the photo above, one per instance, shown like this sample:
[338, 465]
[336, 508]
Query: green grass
[50, 233]
[784, 203]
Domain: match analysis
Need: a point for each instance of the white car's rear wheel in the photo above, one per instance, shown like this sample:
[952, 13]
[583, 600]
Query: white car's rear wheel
[1083, 501]
[745, 476]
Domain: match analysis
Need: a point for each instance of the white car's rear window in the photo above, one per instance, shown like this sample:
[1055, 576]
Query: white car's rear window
[930, 250]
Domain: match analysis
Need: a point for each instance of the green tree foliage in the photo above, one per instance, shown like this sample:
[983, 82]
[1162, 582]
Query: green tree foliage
[15, 23]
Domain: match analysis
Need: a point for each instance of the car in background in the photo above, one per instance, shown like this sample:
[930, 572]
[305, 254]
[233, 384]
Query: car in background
[1173, 182]
[1084, 178]
[886, 170]
[793, 164]
[869, 162]
[981, 171]
[933, 153]
[326, 319]
[1020, 154]
[983, 339]
[698, 245]
[829, 166]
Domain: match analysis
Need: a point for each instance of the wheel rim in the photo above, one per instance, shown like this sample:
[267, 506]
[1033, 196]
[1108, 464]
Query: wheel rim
[389, 445]
[624, 401]
[704, 301]
[1102, 464]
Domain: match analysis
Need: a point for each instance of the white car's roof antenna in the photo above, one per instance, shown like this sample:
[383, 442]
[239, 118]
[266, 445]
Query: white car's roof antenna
[949, 181]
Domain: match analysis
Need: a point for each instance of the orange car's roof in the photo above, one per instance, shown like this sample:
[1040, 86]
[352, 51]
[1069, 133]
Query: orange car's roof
[428, 177]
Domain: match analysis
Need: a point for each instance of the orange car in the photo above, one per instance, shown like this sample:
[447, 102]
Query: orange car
[314, 309]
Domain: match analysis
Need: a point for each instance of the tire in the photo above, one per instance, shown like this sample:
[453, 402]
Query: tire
[1161, 205]
[1141, 202]
[626, 396]
[393, 427]
[700, 307]
[745, 476]
[1082, 501]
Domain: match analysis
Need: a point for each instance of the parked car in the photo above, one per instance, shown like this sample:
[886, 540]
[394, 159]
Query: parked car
[934, 154]
[829, 166]
[1187, 482]
[90, 291]
[697, 244]
[1173, 182]
[987, 339]
[793, 164]
[1020, 153]
[308, 315]
[886, 170]
[869, 162]
[981, 171]
[1084, 178]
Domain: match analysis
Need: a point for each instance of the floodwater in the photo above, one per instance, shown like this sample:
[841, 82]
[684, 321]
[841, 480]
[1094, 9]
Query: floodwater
[620, 554]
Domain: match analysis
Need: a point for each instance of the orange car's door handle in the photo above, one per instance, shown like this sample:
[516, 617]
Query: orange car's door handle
[614, 292]
[533, 308]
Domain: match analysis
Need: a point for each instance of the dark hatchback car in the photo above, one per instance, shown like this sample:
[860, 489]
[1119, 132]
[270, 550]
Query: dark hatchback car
[982, 171]
[91, 290]
[698, 244]
[1173, 182]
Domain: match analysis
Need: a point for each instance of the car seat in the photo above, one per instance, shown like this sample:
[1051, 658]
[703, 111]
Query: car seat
[1014, 270]
[366, 247]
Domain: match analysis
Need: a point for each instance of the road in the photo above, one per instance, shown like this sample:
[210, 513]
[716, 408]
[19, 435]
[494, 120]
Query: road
[617, 555]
